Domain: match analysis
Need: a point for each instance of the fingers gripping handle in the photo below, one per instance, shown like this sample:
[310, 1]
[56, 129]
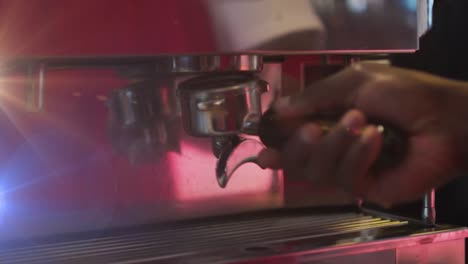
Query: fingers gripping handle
[274, 133]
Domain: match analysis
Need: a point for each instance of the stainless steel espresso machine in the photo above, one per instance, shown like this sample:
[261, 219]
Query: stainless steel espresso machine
[146, 153]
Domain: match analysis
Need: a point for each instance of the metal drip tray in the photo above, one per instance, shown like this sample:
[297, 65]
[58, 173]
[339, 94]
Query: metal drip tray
[214, 240]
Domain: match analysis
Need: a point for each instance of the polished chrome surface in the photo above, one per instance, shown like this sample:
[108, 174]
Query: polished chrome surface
[140, 67]
[253, 63]
[284, 236]
[197, 64]
[143, 122]
[114, 28]
[175, 241]
[147, 66]
[429, 208]
[221, 104]
[235, 154]
[135, 105]
[188, 64]
[76, 165]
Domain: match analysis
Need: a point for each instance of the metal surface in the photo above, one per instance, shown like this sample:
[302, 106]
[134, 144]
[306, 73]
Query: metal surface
[252, 63]
[208, 27]
[143, 66]
[188, 64]
[205, 236]
[143, 122]
[34, 88]
[221, 104]
[71, 167]
[205, 64]
[448, 252]
[290, 235]
[234, 155]
[429, 209]
[60, 173]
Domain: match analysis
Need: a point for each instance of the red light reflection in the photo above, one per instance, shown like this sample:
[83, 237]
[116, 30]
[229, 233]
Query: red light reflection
[194, 175]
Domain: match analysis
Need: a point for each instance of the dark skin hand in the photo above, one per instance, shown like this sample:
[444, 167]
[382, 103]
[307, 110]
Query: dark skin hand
[431, 110]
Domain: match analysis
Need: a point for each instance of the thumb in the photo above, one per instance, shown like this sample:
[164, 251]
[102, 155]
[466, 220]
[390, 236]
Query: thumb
[335, 93]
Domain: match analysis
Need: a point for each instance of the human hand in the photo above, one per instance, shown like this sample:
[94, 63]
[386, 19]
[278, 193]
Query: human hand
[430, 110]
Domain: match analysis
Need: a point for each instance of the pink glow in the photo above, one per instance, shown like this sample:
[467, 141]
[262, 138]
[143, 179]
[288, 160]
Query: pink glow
[194, 175]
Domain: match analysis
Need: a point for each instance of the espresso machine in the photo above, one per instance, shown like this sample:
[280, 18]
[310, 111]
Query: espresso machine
[134, 138]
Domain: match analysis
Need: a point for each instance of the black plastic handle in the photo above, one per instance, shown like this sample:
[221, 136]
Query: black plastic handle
[274, 133]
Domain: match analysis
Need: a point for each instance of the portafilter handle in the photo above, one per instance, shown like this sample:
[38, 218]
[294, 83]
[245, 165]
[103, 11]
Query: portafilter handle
[274, 132]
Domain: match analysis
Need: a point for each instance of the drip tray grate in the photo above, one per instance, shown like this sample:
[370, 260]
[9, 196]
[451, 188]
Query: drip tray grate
[184, 239]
